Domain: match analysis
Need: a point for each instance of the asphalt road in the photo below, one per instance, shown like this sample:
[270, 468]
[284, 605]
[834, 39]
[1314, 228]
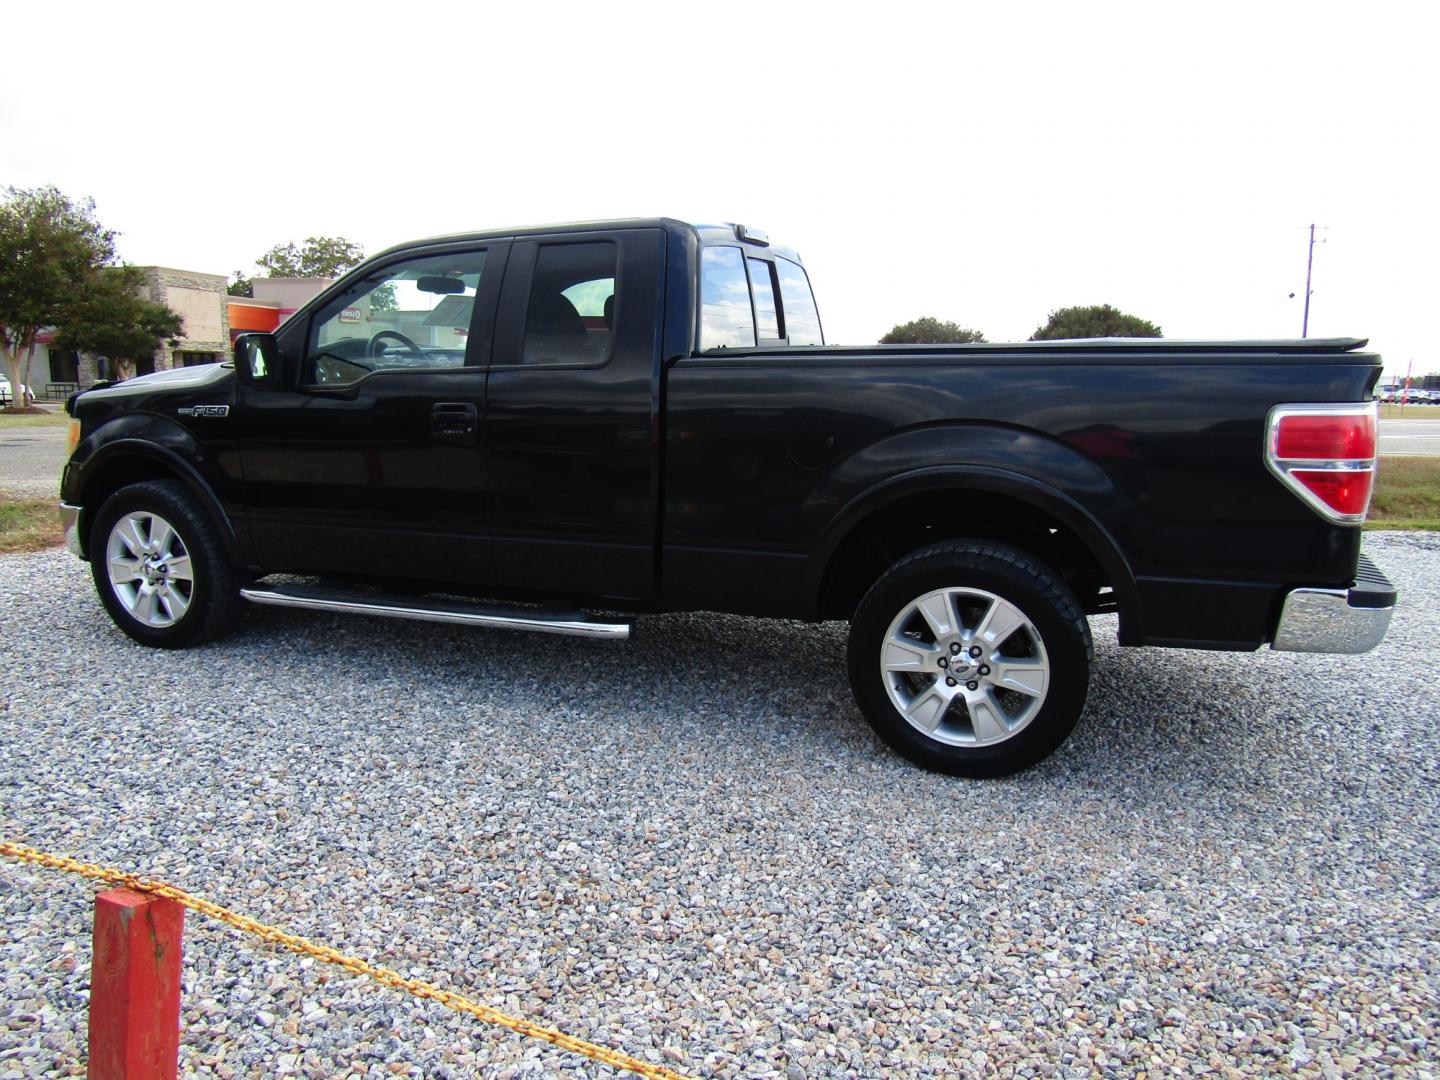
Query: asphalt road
[31, 460]
[1411, 437]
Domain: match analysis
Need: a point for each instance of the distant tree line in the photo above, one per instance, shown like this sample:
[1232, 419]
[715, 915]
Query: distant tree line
[317, 257]
[930, 331]
[1094, 321]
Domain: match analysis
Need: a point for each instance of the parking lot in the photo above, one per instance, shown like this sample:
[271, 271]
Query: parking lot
[691, 847]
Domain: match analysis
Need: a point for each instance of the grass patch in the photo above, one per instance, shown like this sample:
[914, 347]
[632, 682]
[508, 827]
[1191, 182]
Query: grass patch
[28, 524]
[34, 419]
[1407, 494]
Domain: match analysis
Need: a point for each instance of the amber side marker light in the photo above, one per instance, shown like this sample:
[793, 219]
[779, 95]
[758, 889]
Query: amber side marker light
[72, 437]
[1326, 455]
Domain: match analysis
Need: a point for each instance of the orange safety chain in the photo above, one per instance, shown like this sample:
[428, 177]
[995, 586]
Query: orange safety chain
[419, 988]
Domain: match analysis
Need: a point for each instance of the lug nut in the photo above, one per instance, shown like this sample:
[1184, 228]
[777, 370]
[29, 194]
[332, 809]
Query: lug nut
[975, 650]
[943, 662]
[954, 648]
[972, 685]
[984, 669]
[949, 682]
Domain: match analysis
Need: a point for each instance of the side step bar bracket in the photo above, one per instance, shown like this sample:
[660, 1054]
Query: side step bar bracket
[435, 609]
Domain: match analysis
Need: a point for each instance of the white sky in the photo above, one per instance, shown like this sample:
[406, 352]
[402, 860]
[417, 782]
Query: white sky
[982, 163]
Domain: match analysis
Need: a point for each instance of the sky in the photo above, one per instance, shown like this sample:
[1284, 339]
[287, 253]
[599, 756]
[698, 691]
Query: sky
[983, 163]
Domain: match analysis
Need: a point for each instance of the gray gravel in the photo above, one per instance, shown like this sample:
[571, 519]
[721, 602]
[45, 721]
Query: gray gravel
[691, 847]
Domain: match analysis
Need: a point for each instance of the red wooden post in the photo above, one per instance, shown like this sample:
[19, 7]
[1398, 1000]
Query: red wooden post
[135, 987]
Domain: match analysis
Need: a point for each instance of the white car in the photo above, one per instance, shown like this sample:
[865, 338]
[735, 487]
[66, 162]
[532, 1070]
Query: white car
[5, 393]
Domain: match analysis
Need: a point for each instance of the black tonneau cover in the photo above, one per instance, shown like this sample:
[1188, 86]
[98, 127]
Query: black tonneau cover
[1108, 344]
[1078, 350]
[1247, 345]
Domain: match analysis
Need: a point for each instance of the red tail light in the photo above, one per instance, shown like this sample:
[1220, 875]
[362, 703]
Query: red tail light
[1326, 455]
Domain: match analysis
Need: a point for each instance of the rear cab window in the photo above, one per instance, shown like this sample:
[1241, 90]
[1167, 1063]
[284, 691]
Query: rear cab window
[727, 321]
[748, 300]
[802, 320]
[762, 290]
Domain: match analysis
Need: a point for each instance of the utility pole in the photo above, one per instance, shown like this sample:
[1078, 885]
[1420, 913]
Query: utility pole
[1309, 265]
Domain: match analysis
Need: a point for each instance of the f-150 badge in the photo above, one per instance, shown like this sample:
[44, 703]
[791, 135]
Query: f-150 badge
[204, 410]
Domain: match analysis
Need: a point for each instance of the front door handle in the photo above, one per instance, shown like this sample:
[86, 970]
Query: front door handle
[454, 421]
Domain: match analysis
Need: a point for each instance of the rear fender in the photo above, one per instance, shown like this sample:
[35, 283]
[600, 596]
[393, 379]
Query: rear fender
[951, 459]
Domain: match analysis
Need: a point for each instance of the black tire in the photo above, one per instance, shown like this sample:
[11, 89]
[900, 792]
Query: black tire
[1054, 636]
[212, 595]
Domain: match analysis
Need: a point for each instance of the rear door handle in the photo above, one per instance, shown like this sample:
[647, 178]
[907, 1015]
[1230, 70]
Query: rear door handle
[454, 421]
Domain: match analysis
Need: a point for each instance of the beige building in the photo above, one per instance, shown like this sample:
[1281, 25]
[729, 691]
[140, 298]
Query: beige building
[199, 299]
[288, 293]
[211, 317]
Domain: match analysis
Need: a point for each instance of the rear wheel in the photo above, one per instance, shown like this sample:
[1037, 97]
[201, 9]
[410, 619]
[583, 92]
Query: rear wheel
[970, 658]
[160, 568]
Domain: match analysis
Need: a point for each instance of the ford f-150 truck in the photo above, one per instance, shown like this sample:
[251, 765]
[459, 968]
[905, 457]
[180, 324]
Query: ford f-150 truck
[511, 428]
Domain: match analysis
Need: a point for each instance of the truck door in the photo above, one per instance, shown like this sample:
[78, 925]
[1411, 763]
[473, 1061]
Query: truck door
[572, 414]
[368, 459]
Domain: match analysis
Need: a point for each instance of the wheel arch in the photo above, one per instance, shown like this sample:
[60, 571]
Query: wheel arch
[908, 511]
[130, 461]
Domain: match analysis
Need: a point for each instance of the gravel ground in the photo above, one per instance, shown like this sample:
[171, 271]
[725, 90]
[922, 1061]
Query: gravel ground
[690, 847]
[31, 460]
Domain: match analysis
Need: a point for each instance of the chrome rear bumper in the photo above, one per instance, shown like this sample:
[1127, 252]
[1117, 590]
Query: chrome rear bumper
[1352, 620]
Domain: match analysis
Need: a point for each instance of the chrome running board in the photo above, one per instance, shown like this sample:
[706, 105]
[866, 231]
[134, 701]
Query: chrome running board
[435, 609]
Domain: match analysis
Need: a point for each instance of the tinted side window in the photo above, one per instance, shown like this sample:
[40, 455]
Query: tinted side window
[570, 318]
[762, 287]
[413, 314]
[726, 320]
[802, 321]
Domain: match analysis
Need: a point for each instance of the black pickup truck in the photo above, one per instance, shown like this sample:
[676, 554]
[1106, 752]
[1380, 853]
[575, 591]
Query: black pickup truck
[509, 428]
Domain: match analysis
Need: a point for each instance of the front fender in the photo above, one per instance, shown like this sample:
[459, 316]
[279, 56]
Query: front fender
[144, 446]
[1019, 464]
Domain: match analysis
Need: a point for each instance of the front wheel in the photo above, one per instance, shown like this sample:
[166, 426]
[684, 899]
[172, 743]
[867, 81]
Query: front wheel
[160, 568]
[970, 658]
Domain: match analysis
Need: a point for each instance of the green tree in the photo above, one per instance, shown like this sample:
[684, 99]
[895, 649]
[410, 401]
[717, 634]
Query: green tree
[1097, 320]
[51, 249]
[318, 256]
[383, 299]
[110, 317]
[930, 331]
[241, 285]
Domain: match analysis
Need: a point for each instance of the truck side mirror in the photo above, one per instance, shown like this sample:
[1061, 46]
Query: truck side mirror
[257, 359]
